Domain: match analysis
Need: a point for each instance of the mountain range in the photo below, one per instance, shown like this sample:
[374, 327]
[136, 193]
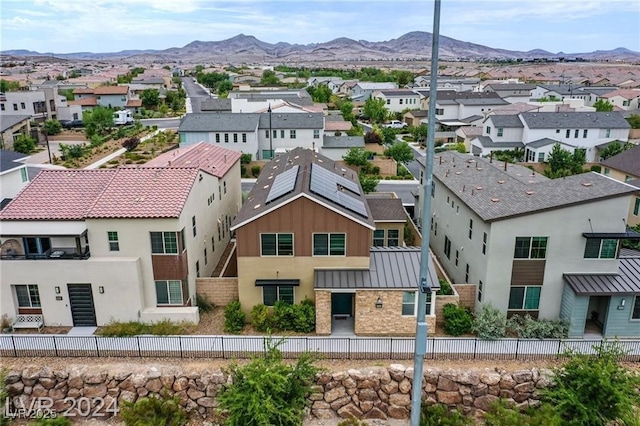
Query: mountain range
[414, 45]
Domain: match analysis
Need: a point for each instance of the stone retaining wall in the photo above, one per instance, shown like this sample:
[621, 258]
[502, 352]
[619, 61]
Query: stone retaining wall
[370, 393]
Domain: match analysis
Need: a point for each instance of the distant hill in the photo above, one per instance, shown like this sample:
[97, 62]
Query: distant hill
[415, 45]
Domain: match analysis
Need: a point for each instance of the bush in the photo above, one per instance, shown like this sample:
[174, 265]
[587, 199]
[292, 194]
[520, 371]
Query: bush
[154, 411]
[262, 318]
[594, 390]
[490, 323]
[445, 288]
[305, 317]
[24, 144]
[526, 327]
[255, 170]
[131, 143]
[439, 414]
[268, 391]
[52, 127]
[245, 158]
[243, 170]
[234, 318]
[134, 328]
[596, 168]
[501, 413]
[203, 303]
[372, 137]
[457, 319]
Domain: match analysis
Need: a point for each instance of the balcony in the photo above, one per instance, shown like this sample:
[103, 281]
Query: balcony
[54, 253]
[45, 248]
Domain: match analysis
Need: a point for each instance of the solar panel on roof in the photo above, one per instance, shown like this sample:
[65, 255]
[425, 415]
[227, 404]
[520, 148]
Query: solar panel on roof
[284, 183]
[325, 183]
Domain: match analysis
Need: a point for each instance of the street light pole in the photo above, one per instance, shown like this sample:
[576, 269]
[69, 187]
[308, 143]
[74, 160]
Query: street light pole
[46, 138]
[425, 285]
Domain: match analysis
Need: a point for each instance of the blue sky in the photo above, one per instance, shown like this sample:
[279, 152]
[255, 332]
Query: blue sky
[64, 26]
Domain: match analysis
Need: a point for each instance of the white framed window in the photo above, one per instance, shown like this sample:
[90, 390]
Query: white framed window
[292, 134]
[193, 225]
[217, 137]
[447, 247]
[169, 292]
[524, 298]
[484, 243]
[235, 138]
[330, 244]
[393, 237]
[378, 238]
[28, 296]
[500, 131]
[409, 305]
[114, 244]
[480, 288]
[530, 248]
[23, 174]
[244, 138]
[164, 242]
[316, 134]
[276, 244]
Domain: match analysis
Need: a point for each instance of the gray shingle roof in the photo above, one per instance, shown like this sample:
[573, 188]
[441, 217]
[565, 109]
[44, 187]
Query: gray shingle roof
[292, 120]
[542, 142]
[342, 142]
[627, 161]
[216, 105]
[481, 101]
[399, 92]
[504, 120]
[391, 268]
[517, 191]
[487, 142]
[511, 86]
[209, 122]
[575, 120]
[624, 282]
[8, 121]
[257, 205]
[10, 160]
[386, 209]
[563, 89]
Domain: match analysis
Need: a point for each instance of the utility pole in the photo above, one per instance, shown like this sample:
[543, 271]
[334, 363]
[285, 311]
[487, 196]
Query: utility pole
[46, 138]
[425, 285]
[270, 134]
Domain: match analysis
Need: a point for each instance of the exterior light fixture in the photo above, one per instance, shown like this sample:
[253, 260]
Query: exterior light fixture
[379, 303]
[621, 305]
[57, 289]
[101, 289]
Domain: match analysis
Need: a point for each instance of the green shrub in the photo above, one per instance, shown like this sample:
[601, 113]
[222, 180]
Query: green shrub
[596, 168]
[243, 170]
[440, 415]
[154, 411]
[255, 170]
[490, 323]
[262, 318]
[52, 127]
[594, 390]
[501, 413]
[245, 158]
[24, 144]
[134, 328]
[268, 391]
[53, 421]
[234, 318]
[203, 303]
[352, 421]
[283, 315]
[167, 327]
[305, 317]
[445, 288]
[457, 319]
[526, 327]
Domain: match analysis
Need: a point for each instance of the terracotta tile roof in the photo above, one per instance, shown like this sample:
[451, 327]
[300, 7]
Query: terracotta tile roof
[111, 90]
[145, 192]
[84, 102]
[134, 103]
[625, 93]
[83, 91]
[212, 159]
[58, 195]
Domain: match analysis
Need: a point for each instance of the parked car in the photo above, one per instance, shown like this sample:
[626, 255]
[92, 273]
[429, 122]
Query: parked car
[395, 124]
[71, 124]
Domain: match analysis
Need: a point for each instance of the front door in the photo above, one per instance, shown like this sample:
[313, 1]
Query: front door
[83, 311]
[341, 303]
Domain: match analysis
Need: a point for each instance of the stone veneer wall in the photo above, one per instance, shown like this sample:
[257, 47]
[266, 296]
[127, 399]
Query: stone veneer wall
[388, 320]
[323, 312]
[467, 293]
[219, 291]
[370, 393]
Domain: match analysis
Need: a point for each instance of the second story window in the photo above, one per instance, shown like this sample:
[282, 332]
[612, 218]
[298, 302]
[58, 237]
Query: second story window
[500, 131]
[164, 242]
[470, 228]
[114, 245]
[393, 237]
[329, 244]
[600, 248]
[316, 134]
[276, 244]
[530, 248]
[447, 247]
[292, 134]
[217, 137]
[193, 225]
[378, 238]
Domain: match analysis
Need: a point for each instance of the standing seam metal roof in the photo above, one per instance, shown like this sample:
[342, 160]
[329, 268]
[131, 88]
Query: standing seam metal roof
[626, 281]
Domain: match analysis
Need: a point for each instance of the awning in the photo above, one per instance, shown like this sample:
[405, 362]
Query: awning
[629, 235]
[263, 283]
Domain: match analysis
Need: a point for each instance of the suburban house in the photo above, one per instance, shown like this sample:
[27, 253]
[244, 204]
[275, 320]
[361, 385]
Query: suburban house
[624, 99]
[547, 248]
[625, 167]
[538, 132]
[448, 83]
[13, 175]
[336, 147]
[12, 126]
[257, 134]
[454, 106]
[106, 96]
[40, 105]
[306, 231]
[84, 247]
[362, 90]
[398, 100]
[512, 92]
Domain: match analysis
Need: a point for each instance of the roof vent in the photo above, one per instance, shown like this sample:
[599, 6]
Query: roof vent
[587, 184]
[529, 192]
[479, 169]
[458, 173]
[478, 188]
[256, 206]
[265, 187]
[495, 200]
[501, 182]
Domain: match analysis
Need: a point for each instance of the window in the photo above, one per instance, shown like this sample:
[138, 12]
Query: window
[292, 134]
[22, 105]
[488, 130]
[447, 247]
[607, 133]
[576, 133]
[433, 189]
[169, 292]
[28, 296]
[205, 255]
[628, 178]
[500, 131]
[281, 134]
[37, 245]
[213, 244]
[584, 133]
[235, 138]
[193, 225]
[378, 238]
[541, 157]
[635, 312]
[217, 137]
[480, 285]
[224, 186]
[525, 298]
[530, 248]
[276, 244]
[275, 134]
[568, 133]
[316, 134]
[435, 229]
[272, 293]
[470, 228]
[197, 268]
[409, 307]
[393, 237]
[329, 245]
[114, 245]
[266, 133]
[244, 138]
[484, 243]
[600, 248]
[607, 171]
[466, 274]
[23, 174]
[400, 101]
[636, 207]
[164, 243]
[226, 138]
[15, 107]
[557, 130]
[388, 101]
[457, 257]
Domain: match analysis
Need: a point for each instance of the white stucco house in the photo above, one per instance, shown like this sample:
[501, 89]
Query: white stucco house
[398, 100]
[13, 175]
[84, 247]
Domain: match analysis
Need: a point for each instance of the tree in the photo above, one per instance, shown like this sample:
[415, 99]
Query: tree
[9, 86]
[634, 121]
[356, 157]
[388, 135]
[224, 87]
[373, 137]
[602, 105]
[564, 163]
[67, 93]
[368, 182]
[614, 148]
[52, 127]
[419, 133]
[346, 108]
[404, 78]
[400, 151]
[320, 93]
[375, 109]
[24, 144]
[150, 98]
[97, 121]
[632, 244]
[269, 78]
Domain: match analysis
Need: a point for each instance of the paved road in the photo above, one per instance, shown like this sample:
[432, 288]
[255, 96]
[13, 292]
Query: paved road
[162, 123]
[195, 93]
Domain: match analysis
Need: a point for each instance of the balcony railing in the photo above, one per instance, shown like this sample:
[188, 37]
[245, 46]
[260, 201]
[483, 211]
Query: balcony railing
[53, 254]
